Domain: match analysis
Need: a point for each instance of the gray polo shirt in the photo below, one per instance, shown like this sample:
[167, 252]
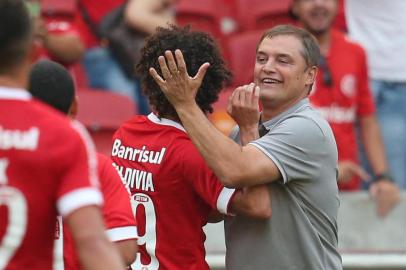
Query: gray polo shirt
[302, 232]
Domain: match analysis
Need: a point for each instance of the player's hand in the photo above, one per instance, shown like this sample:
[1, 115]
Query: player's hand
[177, 85]
[243, 107]
[348, 169]
[386, 195]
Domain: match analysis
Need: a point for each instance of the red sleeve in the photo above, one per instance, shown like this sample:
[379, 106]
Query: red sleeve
[366, 105]
[117, 212]
[204, 180]
[78, 171]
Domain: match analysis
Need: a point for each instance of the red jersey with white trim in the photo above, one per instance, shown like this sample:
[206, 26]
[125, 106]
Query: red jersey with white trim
[47, 165]
[348, 99]
[173, 192]
[117, 213]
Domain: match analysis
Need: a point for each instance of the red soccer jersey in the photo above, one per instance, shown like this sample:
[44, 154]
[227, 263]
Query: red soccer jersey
[347, 99]
[117, 212]
[47, 165]
[173, 192]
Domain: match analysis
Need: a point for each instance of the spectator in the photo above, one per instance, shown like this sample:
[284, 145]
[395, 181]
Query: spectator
[168, 178]
[102, 68]
[380, 26]
[296, 157]
[52, 84]
[342, 96]
[39, 175]
[57, 35]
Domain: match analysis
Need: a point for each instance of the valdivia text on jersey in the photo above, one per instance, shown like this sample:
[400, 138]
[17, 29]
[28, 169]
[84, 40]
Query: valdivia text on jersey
[139, 155]
[137, 179]
[18, 139]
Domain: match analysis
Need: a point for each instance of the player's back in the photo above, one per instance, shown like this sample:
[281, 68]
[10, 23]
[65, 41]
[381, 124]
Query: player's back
[173, 192]
[35, 148]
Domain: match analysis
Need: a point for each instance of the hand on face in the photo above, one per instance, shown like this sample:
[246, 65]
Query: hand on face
[243, 106]
[177, 85]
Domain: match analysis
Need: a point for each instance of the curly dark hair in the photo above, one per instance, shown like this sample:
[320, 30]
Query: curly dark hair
[197, 48]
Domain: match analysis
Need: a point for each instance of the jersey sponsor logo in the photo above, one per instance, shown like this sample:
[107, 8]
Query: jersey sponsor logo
[18, 139]
[338, 115]
[142, 155]
[138, 179]
[348, 85]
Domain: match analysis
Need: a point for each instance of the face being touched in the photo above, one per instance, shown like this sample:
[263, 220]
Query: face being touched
[281, 71]
[316, 15]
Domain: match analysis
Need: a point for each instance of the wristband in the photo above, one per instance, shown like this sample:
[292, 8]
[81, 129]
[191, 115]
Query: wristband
[383, 176]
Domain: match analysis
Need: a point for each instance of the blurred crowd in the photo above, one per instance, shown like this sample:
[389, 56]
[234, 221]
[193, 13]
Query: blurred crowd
[361, 84]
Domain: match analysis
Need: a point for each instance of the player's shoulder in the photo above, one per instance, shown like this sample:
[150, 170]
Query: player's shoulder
[54, 125]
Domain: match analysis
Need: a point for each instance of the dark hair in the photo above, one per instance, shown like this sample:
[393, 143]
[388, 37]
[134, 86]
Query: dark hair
[15, 33]
[310, 51]
[197, 48]
[51, 83]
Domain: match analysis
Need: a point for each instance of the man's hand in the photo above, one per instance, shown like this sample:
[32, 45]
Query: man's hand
[348, 169]
[177, 85]
[243, 106]
[386, 195]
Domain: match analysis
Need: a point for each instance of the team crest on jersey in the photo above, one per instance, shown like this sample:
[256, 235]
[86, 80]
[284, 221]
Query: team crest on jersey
[348, 85]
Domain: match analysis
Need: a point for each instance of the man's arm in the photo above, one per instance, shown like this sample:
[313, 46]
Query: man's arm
[235, 166]
[146, 15]
[128, 250]
[253, 202]
[95, 251]
[385, 192]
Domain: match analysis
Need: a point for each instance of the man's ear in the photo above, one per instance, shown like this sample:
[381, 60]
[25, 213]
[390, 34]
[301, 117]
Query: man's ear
[73, 111]
[311, 75]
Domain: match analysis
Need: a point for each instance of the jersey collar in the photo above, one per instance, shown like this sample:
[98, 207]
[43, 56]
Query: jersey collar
[14, 93]
[165, 122]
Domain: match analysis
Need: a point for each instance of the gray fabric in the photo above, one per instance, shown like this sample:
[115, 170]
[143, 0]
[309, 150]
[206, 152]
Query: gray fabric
[302, 232]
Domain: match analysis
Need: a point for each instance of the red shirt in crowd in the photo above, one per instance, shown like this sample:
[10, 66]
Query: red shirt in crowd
[47, 166]
[96, 9]
[173, 191]
[348, 99]
[117, 213]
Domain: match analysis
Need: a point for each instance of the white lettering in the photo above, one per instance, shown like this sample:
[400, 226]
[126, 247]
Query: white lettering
[137, 179]
[142, 155]
[338, 115]
[3, 168]
[20, 140]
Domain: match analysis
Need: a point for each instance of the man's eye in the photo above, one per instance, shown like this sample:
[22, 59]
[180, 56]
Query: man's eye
[261, 59]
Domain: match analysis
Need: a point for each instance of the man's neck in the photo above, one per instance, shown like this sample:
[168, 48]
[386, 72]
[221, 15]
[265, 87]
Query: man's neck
[324, 40]
[15, 78]
[269, 111]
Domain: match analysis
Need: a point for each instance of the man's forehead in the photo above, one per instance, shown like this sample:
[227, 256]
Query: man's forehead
[281, 44]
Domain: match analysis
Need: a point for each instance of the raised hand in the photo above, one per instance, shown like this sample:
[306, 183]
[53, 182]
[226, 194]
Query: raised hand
[177, 85]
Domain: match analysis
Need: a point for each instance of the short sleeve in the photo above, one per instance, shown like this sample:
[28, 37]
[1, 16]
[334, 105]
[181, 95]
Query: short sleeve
[117, 212]
[295, 146]
[77, 169]
[204, 181]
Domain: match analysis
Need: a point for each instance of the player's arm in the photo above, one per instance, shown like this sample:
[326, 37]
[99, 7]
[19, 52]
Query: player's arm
[146, 15]
[117, 212]
[252, 201]
[93, 247]
[128, 250]
[235, 165]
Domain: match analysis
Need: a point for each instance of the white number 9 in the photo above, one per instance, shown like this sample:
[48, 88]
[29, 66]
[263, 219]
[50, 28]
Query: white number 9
[149, 237]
